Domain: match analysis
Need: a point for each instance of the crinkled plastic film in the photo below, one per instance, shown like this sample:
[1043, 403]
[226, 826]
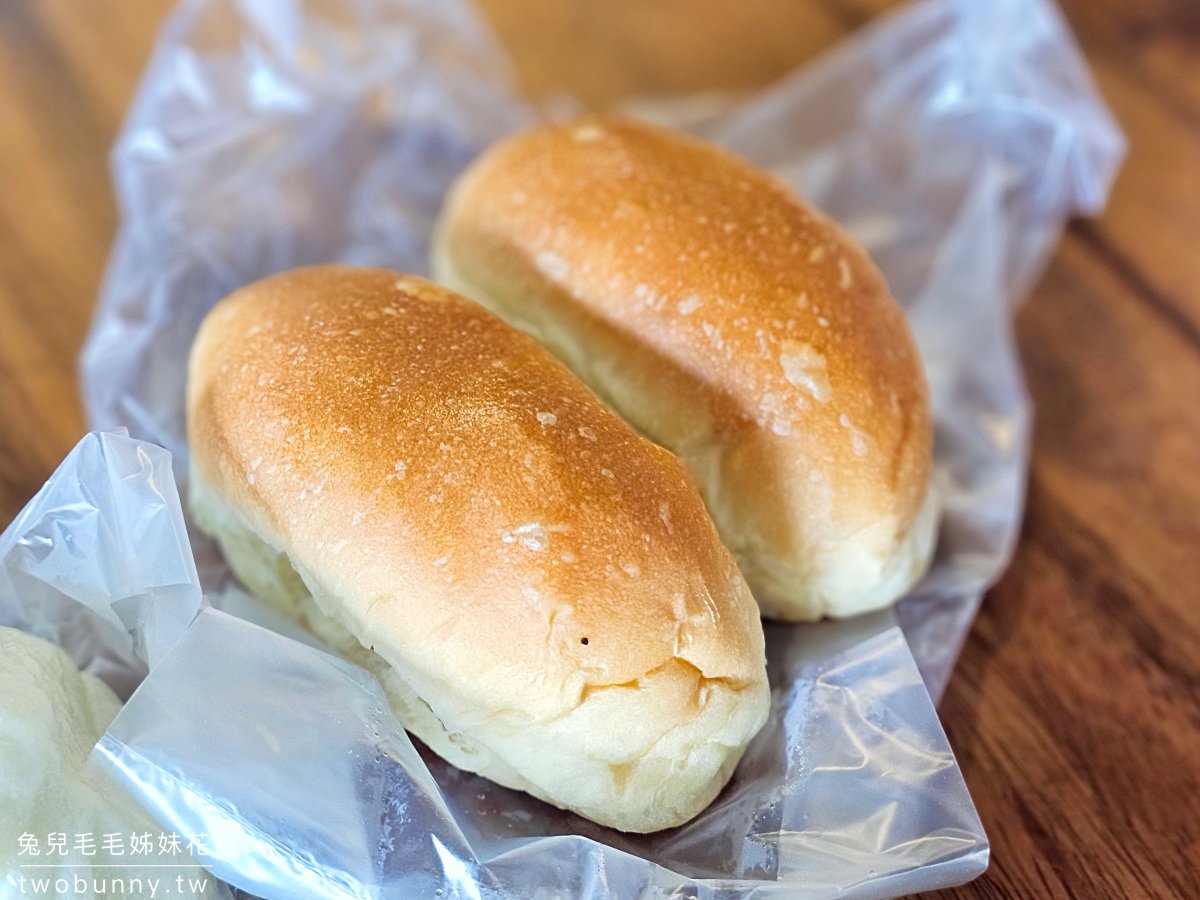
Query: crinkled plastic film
[290, 761]
[953, 139]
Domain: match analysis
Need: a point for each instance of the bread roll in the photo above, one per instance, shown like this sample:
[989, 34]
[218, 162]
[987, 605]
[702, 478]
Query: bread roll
[732, 323]
[540, 591]
[51, 716]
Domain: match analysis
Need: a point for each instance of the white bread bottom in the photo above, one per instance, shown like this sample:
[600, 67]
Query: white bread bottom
[657, 777]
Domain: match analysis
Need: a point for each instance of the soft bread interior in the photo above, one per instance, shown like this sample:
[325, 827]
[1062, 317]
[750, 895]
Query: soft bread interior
[653, 769]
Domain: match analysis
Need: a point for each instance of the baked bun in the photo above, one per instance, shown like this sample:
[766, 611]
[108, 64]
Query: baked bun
[51, 716]
[729, 321]
[539, 590]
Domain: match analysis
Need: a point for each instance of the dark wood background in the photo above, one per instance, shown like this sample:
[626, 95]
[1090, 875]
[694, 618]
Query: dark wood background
[1075, 710]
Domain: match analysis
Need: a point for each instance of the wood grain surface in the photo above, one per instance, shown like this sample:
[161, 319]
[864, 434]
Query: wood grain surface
[1075, 710]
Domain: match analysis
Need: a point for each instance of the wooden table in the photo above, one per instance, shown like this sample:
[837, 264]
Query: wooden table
[1075, 710]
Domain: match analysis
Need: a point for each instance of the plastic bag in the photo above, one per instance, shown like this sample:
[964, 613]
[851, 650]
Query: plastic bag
[953, 139]
[98, 563]
[291, 763]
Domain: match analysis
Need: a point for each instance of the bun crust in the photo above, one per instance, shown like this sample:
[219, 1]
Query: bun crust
[541, 591]
[729, 321]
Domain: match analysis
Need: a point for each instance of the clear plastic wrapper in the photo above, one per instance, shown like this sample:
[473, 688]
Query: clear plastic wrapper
[953, 139]
[291, 759]
[98, 562]
[291, 763]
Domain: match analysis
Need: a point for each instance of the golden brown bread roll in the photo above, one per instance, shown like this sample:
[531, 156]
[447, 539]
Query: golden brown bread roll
[540, 591]
[732, 323]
